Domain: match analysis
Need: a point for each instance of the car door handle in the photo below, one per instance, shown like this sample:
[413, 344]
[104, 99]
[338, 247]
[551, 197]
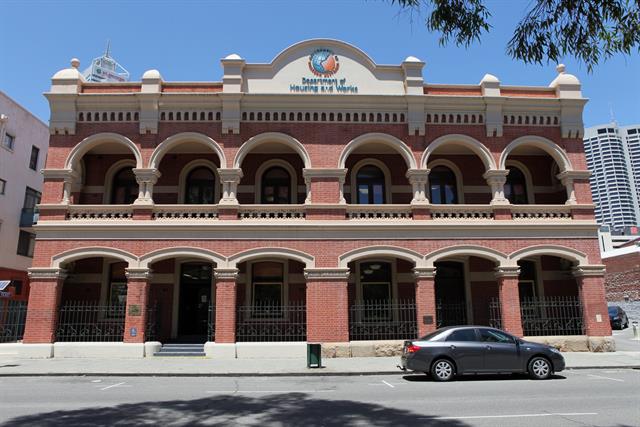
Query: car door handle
[488, 347]
[452, 347]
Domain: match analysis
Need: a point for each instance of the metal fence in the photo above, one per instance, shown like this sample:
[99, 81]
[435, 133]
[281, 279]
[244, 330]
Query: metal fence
[152, 328]
[81, 321]
[450, 314]
[269, 322]
[13, 316]
[383, 320]
[544, 316]
[551, 316]
[211, 323]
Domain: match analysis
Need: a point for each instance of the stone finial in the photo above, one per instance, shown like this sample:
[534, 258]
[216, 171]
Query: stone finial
[561, 68]
[75, 63]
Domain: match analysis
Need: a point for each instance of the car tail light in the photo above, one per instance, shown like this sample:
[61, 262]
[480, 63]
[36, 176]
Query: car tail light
[412, 348]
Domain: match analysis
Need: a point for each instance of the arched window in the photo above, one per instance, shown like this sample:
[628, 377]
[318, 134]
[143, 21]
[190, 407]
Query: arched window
[515, 189]
[125, 188]
[443, 188]
[276, 186]
[370, 186]
[200, 187]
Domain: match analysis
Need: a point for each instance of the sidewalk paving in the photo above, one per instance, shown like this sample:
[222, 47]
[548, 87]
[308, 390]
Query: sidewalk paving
[183, 366]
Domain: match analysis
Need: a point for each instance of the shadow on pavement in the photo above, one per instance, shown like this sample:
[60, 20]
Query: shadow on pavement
[290, 409]
[466, 378]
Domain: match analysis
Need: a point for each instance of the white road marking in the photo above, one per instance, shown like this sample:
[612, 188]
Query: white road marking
[268, 391]
[111, 386]
[96, 381]
[392, 386]
[565, 414]
[605, 378]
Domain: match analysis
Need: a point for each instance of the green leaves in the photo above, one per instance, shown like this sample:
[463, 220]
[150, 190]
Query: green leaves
[589, 30]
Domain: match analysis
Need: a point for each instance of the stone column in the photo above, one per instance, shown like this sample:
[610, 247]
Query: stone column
[419, 179]
[325, 194]
[496, 180]
[230, 179]
[425, 300]
[44, 304]
[136, 311]
[58, 185]
[595, 315]
[146, 179]
[509, 295]
[327, 305]
[225, 327]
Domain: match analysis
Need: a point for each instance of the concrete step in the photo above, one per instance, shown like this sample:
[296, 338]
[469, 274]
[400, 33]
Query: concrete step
[179, 354]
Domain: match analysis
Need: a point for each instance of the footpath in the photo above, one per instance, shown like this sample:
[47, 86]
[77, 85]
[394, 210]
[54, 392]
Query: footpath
[201, 366]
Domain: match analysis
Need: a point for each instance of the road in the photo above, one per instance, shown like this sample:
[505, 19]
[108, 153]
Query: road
[575, 397]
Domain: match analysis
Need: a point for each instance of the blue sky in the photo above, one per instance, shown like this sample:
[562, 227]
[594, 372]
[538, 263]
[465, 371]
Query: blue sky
[186, 39]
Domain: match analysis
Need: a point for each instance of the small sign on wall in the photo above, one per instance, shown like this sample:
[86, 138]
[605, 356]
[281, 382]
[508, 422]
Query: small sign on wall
[427, 320]
[134, 310]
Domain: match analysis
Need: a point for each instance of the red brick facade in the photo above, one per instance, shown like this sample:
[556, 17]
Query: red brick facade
[461, 254]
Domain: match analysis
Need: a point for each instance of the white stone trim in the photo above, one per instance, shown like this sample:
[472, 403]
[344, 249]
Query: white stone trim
[528, 178]
[466, 141]
[186, 170]
[138, 273]
[589, 271]
[92, 141]
[267, 137]
[37, 273]
[456, 171]
[93, 252]
[550, 147]
[507, 271]
[385, 172]
[225, 273]
[552, 250]
[380, 251]
[110, 174]
[327, 273]
[182, 252]
[465, 250]
[375, 137]
[165, 146]
[293, 178]
[270, 252]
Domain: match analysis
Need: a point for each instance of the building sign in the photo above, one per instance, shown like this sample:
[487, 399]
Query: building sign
[324, 65]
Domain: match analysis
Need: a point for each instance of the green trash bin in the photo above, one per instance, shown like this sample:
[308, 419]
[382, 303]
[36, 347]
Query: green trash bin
[314, 355]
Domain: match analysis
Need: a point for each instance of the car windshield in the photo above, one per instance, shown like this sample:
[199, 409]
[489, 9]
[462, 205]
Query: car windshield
[613, 310]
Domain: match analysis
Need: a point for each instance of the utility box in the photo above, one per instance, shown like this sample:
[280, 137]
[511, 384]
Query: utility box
[314, 355]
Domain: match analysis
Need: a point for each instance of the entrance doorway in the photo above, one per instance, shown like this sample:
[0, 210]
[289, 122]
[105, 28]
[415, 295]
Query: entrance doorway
[195, 298]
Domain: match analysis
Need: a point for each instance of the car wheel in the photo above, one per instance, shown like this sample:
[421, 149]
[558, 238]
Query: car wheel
[442, 370]
[539, 368]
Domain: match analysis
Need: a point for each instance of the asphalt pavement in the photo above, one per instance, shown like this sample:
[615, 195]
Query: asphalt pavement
[624, 340]
[577, 397]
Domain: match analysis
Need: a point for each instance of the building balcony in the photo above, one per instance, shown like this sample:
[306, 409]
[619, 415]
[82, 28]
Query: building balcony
[309, 212]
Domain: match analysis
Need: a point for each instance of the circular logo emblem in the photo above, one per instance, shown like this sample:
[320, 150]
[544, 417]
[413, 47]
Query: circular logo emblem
[323, 63]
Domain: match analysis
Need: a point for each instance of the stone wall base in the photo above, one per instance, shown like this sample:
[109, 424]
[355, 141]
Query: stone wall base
[272, 350]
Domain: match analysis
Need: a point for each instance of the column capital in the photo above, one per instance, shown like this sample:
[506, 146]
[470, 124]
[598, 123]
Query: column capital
[424, 272]
[38, 273]
[326, 273]
[596, 270]
[418, 174]
[147, 175]
[496, 175]
[67, 175]
[227, 274]
[138, 273]
[511, 271]
[230, 174]
[573, 175]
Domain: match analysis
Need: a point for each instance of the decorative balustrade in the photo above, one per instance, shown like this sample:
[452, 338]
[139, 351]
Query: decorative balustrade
[272, 212]
[545, 212]
[99, 212]
[184, 212]
[463, 212]
[375, 212]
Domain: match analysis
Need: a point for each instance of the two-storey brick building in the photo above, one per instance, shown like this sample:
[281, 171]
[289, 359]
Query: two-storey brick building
[317, 198]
